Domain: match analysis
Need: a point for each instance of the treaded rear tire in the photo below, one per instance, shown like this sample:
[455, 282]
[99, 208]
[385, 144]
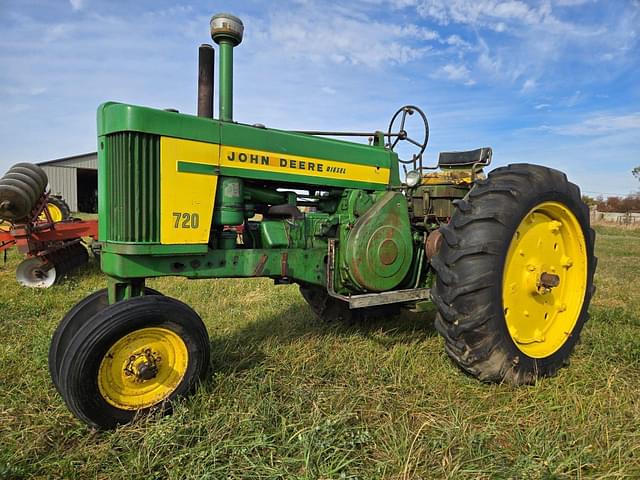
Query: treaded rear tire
[62, 206]
[470, 266]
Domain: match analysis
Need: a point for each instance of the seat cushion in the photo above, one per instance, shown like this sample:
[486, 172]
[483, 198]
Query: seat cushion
[480, 156]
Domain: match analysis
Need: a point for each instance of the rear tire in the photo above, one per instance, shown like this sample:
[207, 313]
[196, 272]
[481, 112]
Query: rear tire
[500, 321]
[134, 357]
[58, 209]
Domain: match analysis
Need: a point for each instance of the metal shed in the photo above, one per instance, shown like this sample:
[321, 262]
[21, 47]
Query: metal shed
[76, 180]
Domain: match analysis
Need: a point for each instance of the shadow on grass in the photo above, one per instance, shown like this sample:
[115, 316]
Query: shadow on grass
[243, 349]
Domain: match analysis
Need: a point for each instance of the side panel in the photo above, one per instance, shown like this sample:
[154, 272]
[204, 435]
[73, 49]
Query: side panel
[344, 164]
[260, 162]
[188, 181]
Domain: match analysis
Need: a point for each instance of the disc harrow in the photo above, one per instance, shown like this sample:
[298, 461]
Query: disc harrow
[52, 243]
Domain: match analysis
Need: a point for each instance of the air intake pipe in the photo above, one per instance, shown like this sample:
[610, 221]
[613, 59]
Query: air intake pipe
[226, 31]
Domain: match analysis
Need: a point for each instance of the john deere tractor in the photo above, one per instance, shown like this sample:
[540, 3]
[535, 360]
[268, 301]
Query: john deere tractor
[506, 257]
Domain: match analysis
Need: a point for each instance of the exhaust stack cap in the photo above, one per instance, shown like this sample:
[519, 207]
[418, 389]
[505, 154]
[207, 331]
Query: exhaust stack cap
[226, 26]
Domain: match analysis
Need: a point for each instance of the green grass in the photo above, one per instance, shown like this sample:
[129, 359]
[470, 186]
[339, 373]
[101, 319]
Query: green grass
[289, 398]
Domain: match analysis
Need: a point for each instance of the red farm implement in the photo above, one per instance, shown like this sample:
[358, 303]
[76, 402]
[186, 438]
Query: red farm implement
[40, 226]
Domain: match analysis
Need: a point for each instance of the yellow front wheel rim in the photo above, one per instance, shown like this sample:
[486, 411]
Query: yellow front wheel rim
[545, 279]
[54, 211]
[143, 368]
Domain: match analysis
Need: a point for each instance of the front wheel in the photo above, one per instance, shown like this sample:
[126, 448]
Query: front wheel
[78, 316]
[133, 357]
[515, 275]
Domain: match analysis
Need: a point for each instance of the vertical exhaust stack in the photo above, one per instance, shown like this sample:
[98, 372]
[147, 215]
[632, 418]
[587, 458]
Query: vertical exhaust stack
[205, 80]
[226, 31]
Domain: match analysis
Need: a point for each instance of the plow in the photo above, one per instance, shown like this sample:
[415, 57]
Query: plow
[40, 226]
[505, 256]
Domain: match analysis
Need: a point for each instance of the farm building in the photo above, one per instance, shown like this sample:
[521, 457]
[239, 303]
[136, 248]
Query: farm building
[76, 180]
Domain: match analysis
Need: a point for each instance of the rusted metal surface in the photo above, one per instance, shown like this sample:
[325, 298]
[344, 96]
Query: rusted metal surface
[378, 251]
[284, 265]
[260, 266]
[547, 281]
[432, 244]
[205, 81]
[369, 299]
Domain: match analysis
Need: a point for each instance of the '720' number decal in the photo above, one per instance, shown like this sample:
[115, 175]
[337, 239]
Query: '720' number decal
[186, 220]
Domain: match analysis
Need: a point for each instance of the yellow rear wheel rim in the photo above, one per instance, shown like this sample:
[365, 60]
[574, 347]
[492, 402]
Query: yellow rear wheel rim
[548, 247]
[143, 368]
[54, 211]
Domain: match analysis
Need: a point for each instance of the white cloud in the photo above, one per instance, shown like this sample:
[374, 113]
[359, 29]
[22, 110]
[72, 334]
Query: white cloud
[77, 4]
[319, 36]
[481, 12]
[542, 106]
[598, 124]
[457, 73]
[574, 99]
[529, 84]
[457, 41]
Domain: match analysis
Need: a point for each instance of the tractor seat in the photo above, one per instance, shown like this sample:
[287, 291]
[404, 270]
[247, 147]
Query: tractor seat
[481, 156]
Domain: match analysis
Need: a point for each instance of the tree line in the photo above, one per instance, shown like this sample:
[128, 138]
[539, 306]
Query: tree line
[629, 203]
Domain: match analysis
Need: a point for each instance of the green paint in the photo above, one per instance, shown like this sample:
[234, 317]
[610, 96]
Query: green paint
[132, 200]
[154, 249]
[376, 250]
[281, 248]
[201, 168]
[298, 179]
[103, 190]
[119, 117]
[229, 204]
[226, 80]
[305, 265]
[280, 141]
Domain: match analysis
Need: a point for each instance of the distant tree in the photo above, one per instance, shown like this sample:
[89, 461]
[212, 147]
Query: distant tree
[636, 172]
[589, 201]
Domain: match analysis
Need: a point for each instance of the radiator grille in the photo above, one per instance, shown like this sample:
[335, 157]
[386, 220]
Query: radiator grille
[133, 179]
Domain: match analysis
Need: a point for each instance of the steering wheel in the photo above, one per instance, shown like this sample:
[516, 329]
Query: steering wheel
[402, 134]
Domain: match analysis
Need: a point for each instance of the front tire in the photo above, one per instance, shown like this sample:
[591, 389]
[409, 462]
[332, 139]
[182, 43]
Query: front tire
[75, 318]
[515, 275]
[131, 358]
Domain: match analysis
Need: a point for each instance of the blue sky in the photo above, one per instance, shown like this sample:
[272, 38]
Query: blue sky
[555, 82]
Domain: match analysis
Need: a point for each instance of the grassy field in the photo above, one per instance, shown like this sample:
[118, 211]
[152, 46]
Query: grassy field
[289, 398]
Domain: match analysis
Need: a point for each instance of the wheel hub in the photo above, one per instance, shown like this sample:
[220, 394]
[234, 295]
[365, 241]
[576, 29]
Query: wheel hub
[544, 279]
[546, 282]
[143, 368]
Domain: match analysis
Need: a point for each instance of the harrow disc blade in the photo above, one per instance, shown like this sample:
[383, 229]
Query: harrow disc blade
[34, 171]
[36, 273]
[33, 183]
[18, 183]
[15, 202]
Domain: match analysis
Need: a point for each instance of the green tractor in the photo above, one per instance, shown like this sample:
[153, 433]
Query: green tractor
[507, 258]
